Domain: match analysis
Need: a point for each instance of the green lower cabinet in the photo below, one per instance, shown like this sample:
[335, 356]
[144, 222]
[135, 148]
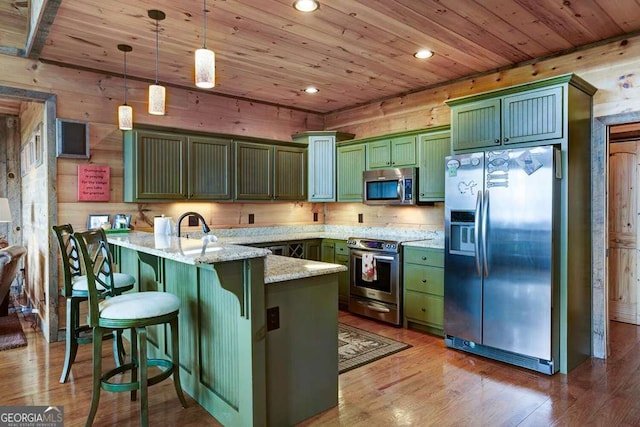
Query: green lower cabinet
[337, 252]
[424, 289]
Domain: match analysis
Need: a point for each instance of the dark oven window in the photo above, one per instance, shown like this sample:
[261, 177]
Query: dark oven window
[383, 270]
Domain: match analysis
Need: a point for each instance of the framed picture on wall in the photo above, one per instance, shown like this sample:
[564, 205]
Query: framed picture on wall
[121, 221]
[96, 220]
[72, 138]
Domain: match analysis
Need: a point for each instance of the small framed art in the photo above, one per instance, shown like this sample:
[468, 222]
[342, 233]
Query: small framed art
[97, 220]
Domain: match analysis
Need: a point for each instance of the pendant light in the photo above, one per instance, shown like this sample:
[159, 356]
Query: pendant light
[156, 92]
[125, 112]
[205, 59]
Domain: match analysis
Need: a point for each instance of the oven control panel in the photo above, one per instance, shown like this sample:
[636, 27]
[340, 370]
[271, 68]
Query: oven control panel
[373, 245]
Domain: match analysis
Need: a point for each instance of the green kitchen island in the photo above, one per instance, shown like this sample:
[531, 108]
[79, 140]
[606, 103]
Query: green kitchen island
[258, 332]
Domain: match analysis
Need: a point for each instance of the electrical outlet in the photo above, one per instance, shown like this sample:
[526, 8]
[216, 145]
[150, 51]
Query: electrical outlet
[193, 221]
[251, 218]
[273, 318]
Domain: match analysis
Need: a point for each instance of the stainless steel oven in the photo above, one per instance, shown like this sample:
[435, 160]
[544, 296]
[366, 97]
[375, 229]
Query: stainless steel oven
[377, 292]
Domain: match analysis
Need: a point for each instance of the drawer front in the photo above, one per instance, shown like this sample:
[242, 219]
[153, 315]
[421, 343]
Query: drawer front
[424, 256]
[424, 279]
[424, 308]
[342, 248]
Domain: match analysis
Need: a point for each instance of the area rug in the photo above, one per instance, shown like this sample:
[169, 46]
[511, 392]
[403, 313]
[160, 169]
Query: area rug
[11, 335]
[357, 347]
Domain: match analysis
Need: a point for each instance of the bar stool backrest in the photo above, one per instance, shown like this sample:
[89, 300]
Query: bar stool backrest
[98, 262]
[71, 265]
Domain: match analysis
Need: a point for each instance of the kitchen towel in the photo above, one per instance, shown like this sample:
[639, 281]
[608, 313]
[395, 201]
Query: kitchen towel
[369, 267]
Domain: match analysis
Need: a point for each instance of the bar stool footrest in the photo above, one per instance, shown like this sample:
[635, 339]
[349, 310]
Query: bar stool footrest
[130, 386]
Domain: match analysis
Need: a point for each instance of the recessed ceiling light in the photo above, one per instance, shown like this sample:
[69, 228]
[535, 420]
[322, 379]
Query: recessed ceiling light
[306, 5]
[311, 89]
[423, 54]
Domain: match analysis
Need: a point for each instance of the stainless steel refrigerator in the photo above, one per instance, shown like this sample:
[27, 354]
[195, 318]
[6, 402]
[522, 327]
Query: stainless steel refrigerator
[501, 255]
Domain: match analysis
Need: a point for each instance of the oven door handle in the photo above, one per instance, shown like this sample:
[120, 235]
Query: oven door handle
[375, 307]
[384, 258]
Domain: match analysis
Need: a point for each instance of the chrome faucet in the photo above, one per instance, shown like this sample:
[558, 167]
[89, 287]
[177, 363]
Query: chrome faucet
[205, 227]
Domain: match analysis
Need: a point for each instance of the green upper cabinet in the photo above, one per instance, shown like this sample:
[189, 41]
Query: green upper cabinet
[210, 168]
[351, 161]
[530, 114]
[533, 116]
[432, 150]
[254, 171]
[392, 153]
[268, 172]
[322, 168]
[290, 173]
[476, 125]
[155, 166]
[321, 155]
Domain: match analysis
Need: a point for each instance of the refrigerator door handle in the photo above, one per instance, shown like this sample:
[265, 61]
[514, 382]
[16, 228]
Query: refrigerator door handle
[485, 214]
[476, 233]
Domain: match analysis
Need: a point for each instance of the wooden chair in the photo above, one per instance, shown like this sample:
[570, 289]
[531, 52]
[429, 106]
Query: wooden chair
[75, 291]
[9, 258]
[133, 312]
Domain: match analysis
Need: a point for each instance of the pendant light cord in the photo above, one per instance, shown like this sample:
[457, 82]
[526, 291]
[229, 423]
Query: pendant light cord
[157, 29]
[125, 78]
[204, 17]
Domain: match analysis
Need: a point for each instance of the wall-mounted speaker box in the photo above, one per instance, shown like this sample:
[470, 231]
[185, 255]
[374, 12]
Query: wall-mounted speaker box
[72, 138]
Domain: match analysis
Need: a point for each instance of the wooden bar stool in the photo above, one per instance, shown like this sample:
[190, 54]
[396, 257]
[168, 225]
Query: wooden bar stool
[75, 291]
[134, 312]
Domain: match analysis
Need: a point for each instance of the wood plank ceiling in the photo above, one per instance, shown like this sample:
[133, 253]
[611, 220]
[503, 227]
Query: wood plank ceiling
[354, 51]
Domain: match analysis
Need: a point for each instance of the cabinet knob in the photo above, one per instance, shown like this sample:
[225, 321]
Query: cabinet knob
[388, 163]
[424, 310]
[497, 141]
[424, 280]
[506, 140]
[422, 194]
[424, 258]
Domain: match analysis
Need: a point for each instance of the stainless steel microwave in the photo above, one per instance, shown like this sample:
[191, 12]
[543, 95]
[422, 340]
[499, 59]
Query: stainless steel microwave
[397, 186]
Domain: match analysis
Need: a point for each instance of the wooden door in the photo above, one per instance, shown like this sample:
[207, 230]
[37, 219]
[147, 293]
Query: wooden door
[623, 232]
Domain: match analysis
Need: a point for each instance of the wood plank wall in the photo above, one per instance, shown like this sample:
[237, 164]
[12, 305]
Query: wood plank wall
[612, 68]
[35, 220]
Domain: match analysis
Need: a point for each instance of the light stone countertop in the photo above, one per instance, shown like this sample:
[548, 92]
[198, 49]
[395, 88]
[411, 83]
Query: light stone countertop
[280, 268]
[190, 251]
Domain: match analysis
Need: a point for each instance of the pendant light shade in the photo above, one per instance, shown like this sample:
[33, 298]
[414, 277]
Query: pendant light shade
[157, 92]
[205, 59]
[157, 95]
[125, 117]
[125, 112]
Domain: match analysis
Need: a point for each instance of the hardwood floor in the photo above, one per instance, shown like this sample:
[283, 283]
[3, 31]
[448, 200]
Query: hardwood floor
[424, 385]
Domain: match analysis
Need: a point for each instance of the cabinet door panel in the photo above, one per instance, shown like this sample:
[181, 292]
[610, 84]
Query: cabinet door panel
[424, 308]
[424, 256]
[476, 125]
[290, 173]
[424, 279]
[161, 166]
[254, 171]
[433, 149]
[322, 168]
[403, 151]
[210, 168]
[379, 154]
[532, 116]
[351, 164]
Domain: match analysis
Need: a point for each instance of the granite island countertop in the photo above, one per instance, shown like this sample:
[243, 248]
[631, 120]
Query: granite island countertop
[200, 251]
